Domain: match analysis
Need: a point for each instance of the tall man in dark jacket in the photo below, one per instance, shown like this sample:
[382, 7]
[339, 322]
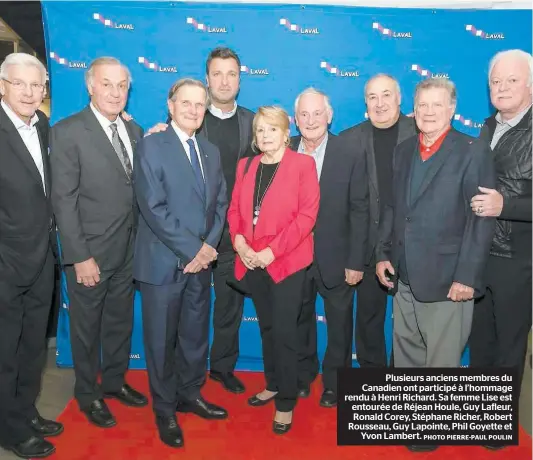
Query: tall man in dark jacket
[26, 257]
[93, 200]
[340, 242]
[376, 140]
[430, 241]
[502, 319]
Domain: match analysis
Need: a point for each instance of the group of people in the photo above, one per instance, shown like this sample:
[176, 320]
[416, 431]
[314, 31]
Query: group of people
[395, 205]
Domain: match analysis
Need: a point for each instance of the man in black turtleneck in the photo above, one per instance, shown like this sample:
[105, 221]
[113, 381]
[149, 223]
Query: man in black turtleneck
[229, 127]
[376, 138]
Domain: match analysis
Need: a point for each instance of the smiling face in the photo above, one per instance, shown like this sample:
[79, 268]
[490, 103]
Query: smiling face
[108, 88]
[269, 136]
[313, 117]
[382, 102]
[510, 86]
[188, 108]
[433, 111]
[24, 91]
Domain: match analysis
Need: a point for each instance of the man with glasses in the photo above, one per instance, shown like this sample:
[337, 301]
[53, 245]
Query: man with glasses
[26, 256]
[93, 200]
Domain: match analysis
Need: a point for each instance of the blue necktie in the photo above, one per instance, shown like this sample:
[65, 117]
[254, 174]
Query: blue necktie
[195, 163]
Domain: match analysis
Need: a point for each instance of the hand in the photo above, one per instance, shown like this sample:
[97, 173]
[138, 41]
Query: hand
[249, 258]
[87, 272]
[157, 129]
[265, 257]
[381, 269]
[207, 254]
[459, 292]
[352, 277]
[488, 204]
[194, 266]
[126, 116]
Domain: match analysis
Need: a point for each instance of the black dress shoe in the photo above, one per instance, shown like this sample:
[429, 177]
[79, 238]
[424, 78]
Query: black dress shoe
[98, 414]
[44, 428]
[169, 431]
[203, 409]
[33, 447]
[304, 391]
[281, 428]
[494, 446]
[328, 398]
[256, 402]
[128, 396]
[416, 448]
[229, 381]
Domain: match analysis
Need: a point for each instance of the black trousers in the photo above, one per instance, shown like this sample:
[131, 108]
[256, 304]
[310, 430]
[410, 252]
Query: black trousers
[23, 320]
[101, 321]
[278, 307]
[370, 321]
[338, 306]
[227, 317]
[502, 318]
[176, 339]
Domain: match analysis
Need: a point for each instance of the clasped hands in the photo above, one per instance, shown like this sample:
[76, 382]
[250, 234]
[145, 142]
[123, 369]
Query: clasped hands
[250, 258]
[201, 261]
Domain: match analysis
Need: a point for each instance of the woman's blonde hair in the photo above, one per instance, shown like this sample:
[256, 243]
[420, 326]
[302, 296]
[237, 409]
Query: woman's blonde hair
[274, 116]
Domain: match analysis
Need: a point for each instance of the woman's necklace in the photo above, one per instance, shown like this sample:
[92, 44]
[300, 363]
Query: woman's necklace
[259, 200]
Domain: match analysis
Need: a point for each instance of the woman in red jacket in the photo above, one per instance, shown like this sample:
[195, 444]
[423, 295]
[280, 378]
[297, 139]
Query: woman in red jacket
[271, 218]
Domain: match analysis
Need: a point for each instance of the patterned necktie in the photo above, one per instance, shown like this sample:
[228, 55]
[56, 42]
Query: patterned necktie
[120, 148]
[195, 163]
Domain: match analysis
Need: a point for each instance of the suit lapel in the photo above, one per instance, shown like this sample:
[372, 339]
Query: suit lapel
[131, 134]
[43, 141]
[18, 146]
[442, 154]
[185, 165]
[100, 140]
[405, 129]
[206, 167]
[371, 158]
[329, 165]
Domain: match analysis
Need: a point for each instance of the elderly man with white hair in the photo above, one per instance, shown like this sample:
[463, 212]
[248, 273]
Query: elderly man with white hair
[26, 256]
[339, 242]
[502, 319]
[93, 201]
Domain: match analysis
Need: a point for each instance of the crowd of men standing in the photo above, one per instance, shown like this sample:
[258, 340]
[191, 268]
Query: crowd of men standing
[408, 206]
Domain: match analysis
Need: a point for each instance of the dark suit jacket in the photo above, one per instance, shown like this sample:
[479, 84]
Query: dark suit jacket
[91, 193]
[444, 241]
[342, 222]
[361, 140]
[25, 210]
[175, 219]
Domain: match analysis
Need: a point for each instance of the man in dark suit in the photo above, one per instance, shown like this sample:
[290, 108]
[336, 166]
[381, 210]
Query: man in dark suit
[26, 256]
[182, 199]
[93, 200]
[339, 238]
[229, 127]
[376, 139]
[430, 242]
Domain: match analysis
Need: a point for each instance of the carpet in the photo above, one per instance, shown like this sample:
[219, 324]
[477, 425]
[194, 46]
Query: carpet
[245, 435]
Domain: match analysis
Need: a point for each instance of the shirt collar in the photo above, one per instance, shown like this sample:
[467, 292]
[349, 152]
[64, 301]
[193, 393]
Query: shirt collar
[101, 119]
[320, 148]
[17, 120]
[216, 112]
[183, 136]
[513, 121]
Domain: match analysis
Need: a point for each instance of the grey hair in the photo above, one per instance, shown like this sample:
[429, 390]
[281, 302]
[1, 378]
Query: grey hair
[517, 54]
[25, 60]
[430, 83]
[172, 93]
[312, 90]
[383, 75]
[105, 60]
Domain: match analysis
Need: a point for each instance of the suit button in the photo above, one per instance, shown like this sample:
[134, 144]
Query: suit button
[408, 219]
[377, 199]
[376, 222]
[202, 238]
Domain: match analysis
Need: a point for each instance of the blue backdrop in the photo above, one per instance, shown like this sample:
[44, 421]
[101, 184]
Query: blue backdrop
[283, 49]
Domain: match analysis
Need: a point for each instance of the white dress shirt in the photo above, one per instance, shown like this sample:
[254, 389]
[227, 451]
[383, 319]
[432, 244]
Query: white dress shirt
[30, 137]
[183, 139]
[216, 112]
[318, 154]
[121, 129]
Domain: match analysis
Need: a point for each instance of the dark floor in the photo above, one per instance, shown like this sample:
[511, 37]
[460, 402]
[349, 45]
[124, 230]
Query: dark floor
[58, 385]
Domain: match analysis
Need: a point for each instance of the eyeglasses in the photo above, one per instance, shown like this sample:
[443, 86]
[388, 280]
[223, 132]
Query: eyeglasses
[19, 85]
